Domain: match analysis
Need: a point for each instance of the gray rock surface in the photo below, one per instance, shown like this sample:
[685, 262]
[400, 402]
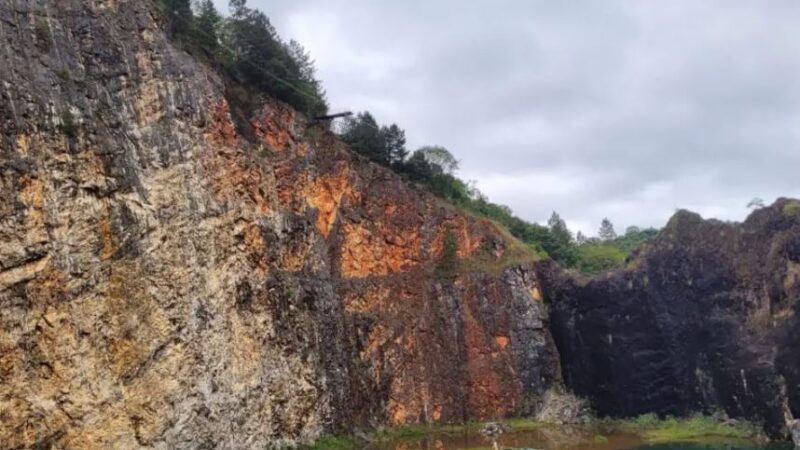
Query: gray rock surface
[177, 275]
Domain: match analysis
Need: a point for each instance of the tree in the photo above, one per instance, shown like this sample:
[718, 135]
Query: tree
[560, 245]
[177, 17]
[632, 230]
[756, 203]
[362, 134]
[308, 76]
[260, 60]
[580, 238]
[607, 232]
[394, 144]
[440, 157]
[206, 23]
[386, 145]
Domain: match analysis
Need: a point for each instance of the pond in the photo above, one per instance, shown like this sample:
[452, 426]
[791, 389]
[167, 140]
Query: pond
[562, 438]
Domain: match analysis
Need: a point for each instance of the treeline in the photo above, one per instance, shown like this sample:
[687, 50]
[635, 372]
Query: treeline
[434, 167]
[247, 47]
[608, 251]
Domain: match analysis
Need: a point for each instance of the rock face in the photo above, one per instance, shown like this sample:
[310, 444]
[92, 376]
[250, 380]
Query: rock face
[794, 427]
[177, 274]
[702, 320]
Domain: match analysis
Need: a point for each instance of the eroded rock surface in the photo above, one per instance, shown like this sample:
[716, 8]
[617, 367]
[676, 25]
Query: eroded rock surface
[172, 278]
[702, 320]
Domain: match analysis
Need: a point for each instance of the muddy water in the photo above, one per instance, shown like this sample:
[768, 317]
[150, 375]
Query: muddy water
[552, 438]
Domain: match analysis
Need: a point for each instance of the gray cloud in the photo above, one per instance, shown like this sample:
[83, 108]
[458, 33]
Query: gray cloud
[625, 109]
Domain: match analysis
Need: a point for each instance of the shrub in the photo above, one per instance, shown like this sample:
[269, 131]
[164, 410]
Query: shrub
[595, 258]
[647, 420]
[68, 125]
[791, 209]
[41, 31]
[448, 263]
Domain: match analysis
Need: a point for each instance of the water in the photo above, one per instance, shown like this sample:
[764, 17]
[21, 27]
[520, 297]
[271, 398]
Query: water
[561, 438]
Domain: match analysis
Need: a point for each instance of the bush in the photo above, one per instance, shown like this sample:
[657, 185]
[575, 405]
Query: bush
[68, 125]
[448, 263]
[41, 31]
[791, 209]
[596, 258]
[647, 420]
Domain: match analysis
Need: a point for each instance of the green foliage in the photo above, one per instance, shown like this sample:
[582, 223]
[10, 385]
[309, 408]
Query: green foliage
[600, 439]
[607, 232]
[595, 258]
[261, 60]
[791, 209]
[439, 158]
[633, 238]
[207, 22]
[332, 443]
[176, 17]
[41, 31]
[653, 429]
[563, 248]
[247, 47]
[385, 145]
[63, 74]
[672, 430]
[68, 125]
[647, 420]
[756, 203]
[448, 262]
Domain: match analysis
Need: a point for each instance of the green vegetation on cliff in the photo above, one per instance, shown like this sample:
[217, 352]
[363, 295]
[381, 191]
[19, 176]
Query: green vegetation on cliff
[257, 62]
[596, 256]
[247, 48]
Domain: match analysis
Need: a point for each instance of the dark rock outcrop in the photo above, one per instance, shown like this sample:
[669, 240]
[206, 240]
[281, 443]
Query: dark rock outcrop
[703, 319]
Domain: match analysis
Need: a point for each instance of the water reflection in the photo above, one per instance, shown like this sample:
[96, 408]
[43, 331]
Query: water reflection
[556, 438]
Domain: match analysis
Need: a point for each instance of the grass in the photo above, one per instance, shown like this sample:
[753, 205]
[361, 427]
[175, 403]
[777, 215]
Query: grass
[649, 427]
[332, 443]
[523, 424]
[515, 253]
[596, 258]
[655, 430]
[483, 260]
[412, 432]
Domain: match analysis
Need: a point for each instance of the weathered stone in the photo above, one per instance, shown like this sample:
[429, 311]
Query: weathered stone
[794, 427]
[170, 280]
[702, 319]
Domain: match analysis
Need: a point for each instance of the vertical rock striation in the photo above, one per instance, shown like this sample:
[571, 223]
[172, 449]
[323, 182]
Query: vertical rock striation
[702, 320]
[172, 278]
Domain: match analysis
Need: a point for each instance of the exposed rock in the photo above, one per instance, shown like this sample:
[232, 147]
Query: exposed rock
[703, 319]
[168, 283]
[794, 427]
[560, 407]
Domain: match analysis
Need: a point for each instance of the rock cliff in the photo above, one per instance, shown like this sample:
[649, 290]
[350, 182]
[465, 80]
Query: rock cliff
[703, 319]
[176, 273]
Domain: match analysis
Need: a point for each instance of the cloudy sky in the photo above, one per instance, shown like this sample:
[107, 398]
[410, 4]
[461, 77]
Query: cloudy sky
[626, 109]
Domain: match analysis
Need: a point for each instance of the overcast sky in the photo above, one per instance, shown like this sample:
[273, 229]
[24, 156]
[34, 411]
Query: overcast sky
[625, 109]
